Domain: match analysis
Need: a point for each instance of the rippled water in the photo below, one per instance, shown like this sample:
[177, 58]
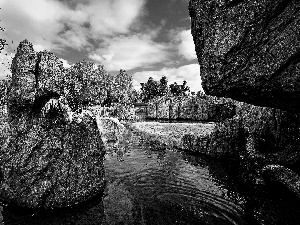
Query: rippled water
[150, 186]
[163, 187]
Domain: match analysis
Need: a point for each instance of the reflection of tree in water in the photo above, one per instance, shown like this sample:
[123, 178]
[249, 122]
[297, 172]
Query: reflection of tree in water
[118, 205]
[162, 189]
[161, 155]
[170, 165]
[121, 146]
[220, 170]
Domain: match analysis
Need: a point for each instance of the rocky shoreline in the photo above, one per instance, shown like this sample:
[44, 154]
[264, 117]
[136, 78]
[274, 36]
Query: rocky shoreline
[249, 51]
[227, 140]
[170, 135]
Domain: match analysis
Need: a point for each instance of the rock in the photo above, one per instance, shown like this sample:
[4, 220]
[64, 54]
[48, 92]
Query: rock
[22, 90]
[49, 159]
[249, 50]
[228, 139]
[272, 138]
[273, 132]
[277, 174]
[225, 111]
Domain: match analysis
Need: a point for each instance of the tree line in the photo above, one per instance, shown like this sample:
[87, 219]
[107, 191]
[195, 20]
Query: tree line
[86, 85]
[153, 89]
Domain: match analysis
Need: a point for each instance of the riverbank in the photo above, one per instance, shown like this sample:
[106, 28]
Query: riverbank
[210, 139]
[226, 140]
[171, 135]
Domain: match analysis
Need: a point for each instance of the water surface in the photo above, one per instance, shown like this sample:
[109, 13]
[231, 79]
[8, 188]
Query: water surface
[146, 185]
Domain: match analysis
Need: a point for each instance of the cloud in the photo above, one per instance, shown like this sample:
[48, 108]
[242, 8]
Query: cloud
[106, 29]
[35, 20]
[6, 57]
[186, 47]
[66, 64]
[54, 25]
[108, 17]
[130, 52]
[183, 42]
[190, 73]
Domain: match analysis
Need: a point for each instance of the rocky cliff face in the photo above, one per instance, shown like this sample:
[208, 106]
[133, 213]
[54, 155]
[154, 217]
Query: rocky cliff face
[249, 50]
[48, 159]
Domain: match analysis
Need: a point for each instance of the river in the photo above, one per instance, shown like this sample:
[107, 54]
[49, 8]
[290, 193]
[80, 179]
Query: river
[146, 185]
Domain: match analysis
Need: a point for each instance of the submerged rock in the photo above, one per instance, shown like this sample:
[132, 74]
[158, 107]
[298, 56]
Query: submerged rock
[249, 50]
[49, 159]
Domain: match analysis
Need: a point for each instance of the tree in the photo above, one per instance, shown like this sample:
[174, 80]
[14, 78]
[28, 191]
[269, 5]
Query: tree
[3, 91]
[184, 88]
[201, 95]
[153, 89]
[163, 86]
[122, 95]
[150, 90]
[122, 91]
[136, 96]
[84, 85]
[179, 90]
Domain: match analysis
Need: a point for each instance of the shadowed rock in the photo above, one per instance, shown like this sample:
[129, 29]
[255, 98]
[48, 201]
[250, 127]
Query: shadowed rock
[48, 160]
[249, 50]
[283, 176]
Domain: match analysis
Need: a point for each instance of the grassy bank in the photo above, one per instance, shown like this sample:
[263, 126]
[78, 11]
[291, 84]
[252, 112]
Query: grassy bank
[170, 135]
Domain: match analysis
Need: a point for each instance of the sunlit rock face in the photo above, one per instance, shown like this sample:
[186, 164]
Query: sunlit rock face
[49, 159]
[249, 50]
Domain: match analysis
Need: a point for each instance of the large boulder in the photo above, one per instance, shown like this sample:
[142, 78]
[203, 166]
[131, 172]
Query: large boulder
[249, 50]
[49, 159]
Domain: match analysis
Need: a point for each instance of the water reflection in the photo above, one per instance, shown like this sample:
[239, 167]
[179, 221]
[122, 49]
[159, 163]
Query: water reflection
[89, 213]
[146, 186]
[118, 205]
[163, 187]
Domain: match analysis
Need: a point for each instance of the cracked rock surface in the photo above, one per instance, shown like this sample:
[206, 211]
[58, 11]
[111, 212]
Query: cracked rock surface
[249, 50]
[48, 159]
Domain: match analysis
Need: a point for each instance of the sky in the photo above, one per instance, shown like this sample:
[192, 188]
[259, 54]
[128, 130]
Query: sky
[147, 38]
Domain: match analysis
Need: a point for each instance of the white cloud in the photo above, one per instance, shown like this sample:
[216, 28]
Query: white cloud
[183, 43]
[130, 52]
[108, 17]
[190, 73]
[5, 63]
[35, 20]
[66, 64]
[186, 47]
[54, 25]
